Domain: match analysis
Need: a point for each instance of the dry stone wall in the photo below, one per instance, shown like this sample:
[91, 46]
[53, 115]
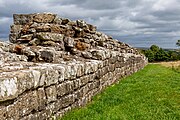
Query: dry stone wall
[53, 65]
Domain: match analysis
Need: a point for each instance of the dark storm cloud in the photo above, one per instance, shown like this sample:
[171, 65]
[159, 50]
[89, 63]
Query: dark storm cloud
[123, 19]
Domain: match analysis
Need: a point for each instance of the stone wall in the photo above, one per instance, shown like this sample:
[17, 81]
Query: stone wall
[53, 65]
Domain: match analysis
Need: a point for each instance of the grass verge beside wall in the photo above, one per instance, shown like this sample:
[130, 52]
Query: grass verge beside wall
[150, 94]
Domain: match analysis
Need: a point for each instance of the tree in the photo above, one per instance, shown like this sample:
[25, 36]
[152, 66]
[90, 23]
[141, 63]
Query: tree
[178, 43]
[174, 55]
[154, 48]
[150, 55]
[161, 55]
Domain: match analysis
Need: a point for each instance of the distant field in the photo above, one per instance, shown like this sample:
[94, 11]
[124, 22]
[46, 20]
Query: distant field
[150, 94]
[170, 64]
[174, 65]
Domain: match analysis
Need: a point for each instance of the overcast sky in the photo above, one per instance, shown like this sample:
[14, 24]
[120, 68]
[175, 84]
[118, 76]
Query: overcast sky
[132, 21]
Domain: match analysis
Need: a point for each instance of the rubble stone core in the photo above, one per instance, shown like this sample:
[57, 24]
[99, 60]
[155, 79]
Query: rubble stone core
[53, 65]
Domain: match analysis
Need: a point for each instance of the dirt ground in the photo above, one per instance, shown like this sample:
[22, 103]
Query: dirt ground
[170, 64]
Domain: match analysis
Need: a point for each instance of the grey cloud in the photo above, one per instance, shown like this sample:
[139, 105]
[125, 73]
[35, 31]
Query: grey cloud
[5, 28]
[89, 4]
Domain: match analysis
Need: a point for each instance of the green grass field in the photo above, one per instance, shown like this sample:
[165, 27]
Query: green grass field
[150, 94]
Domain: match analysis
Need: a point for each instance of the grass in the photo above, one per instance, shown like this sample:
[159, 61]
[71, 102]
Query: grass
[176, 69]
[150, 94]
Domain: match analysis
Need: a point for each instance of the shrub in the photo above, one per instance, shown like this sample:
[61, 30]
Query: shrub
[150, 55]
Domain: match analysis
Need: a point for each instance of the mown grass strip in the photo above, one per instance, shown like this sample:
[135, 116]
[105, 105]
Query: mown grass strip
[150, 94]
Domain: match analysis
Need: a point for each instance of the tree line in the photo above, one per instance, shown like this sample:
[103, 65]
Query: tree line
[157, 54]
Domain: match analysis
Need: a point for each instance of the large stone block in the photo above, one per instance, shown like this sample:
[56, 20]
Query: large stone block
[47, 55]
[44, 17]
[22, 19]
[56, 28]
[43, 27]
[80, 69]
[8, 88]
[13, 111]
[41, 98]
[81, 23]
[50, 36]
[3, 113]
[16, 28]
[25, 81]
[51, 93]
[82, 91]
[36, 78]
[61, 72]
[52, 76]
[98, 54]
[67, 74]
[67, 100]
[69, 42]
[57, 20]
[83, 80]
[61, 89]
[27, 103]
[13, 37]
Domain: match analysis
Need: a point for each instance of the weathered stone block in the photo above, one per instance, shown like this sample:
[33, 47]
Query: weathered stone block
[13, 111]
[91, 27]
[51, 93]
[22, 19]
[81, 23]
[36, 78]
[13, 37]
[41, 98]
[46, 55]
[99, 74]
[111, 67]
[8, 88]
[87, 55]
[83, 80]
[65, 88]
[43, 27]
[69, 42]
[79, 32]
[56, 28]
[27, 37]
[67, 74]
[57, 20]
[50, 36]
[44, 17]
[16, 28]
[25, 81]
[67, 100]
[3, 113]
[27, 103]
[80, 70]
[98, 54]
[52, 76]
[61, 71]
[65, 21]
[76, 84]
[82, 91]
